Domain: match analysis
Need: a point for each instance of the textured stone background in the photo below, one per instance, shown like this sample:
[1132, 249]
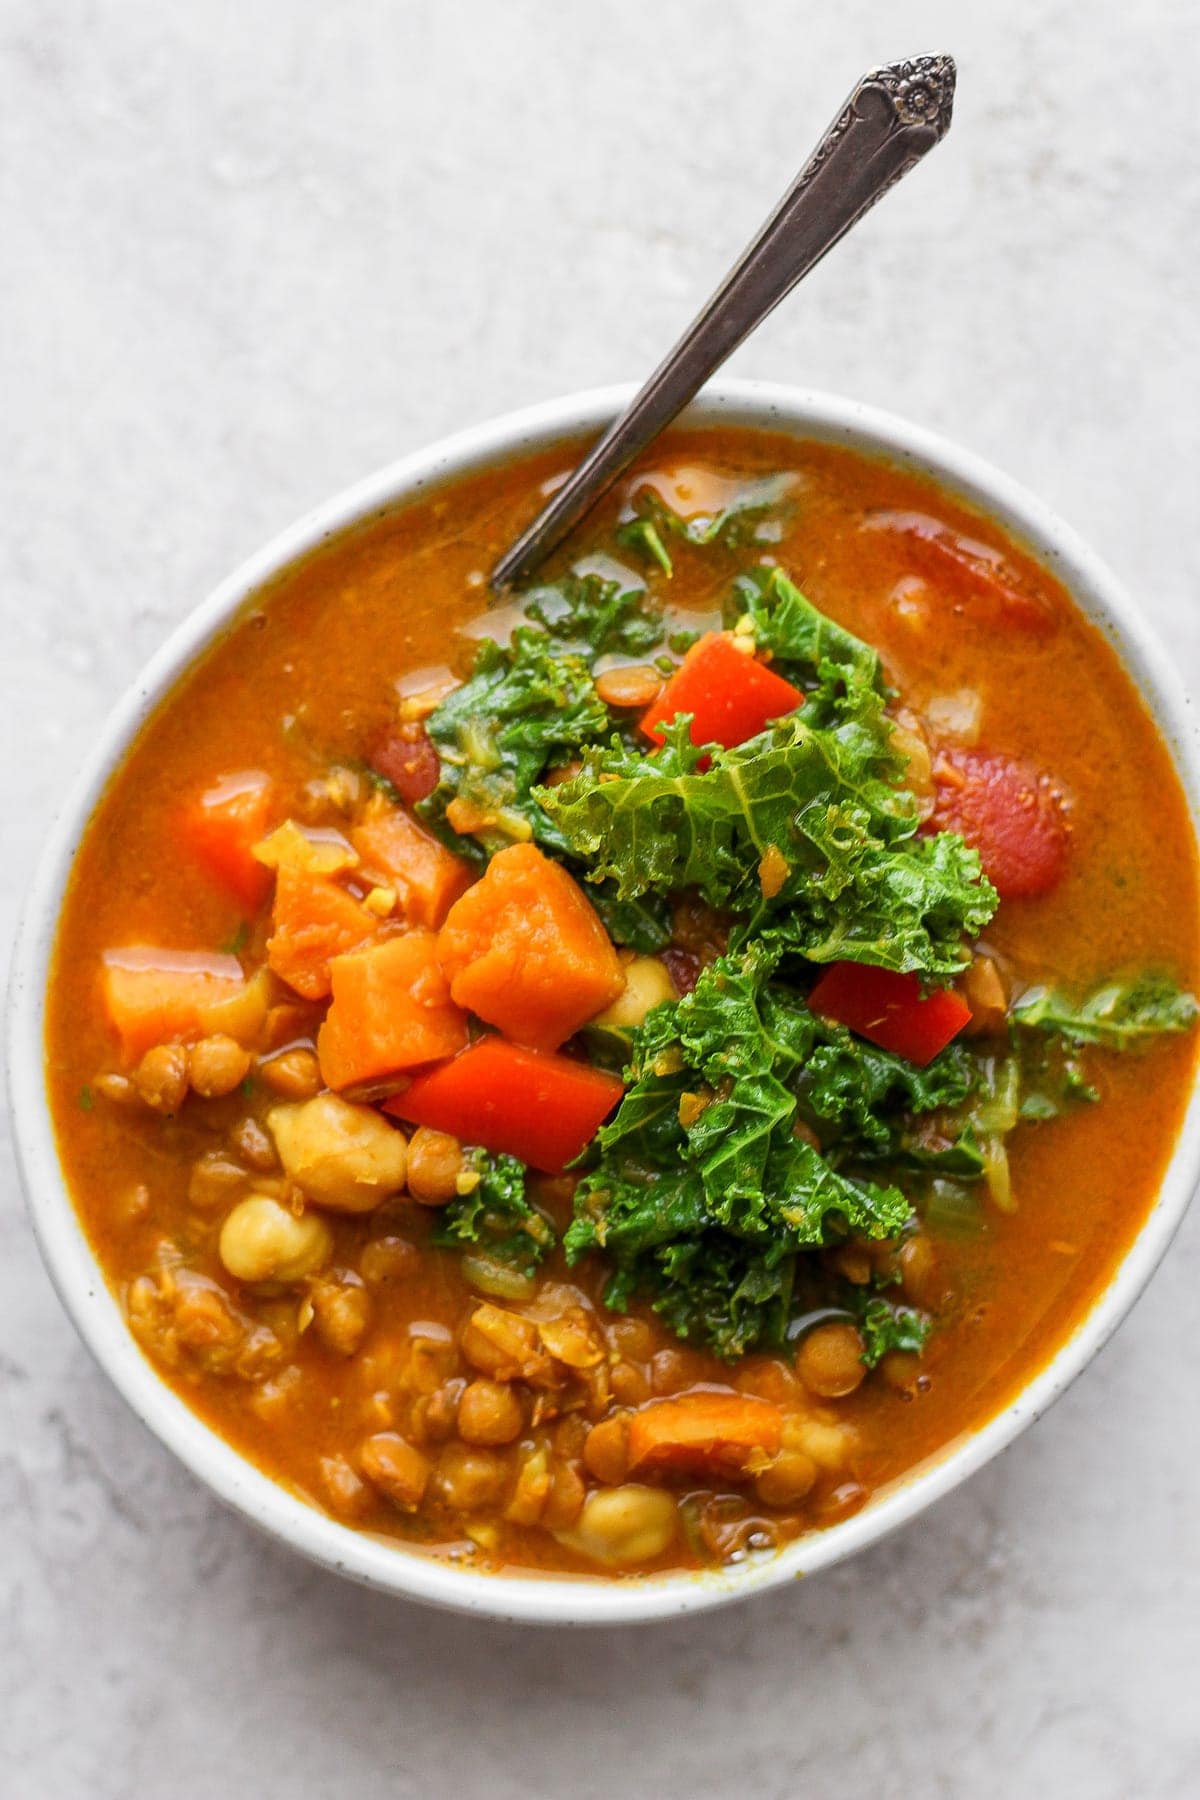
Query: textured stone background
[252, 251]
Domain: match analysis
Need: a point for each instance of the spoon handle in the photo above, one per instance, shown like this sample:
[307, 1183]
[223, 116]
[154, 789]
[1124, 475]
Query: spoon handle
[893, 117]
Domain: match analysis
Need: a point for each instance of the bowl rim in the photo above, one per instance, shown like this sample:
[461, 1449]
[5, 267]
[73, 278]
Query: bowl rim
[385, 1564]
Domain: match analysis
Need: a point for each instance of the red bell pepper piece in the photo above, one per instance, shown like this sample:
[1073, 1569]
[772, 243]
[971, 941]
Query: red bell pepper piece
[888, 1009]
[730, 695]
[1010, 813]
[220, 829]
[531, 1104]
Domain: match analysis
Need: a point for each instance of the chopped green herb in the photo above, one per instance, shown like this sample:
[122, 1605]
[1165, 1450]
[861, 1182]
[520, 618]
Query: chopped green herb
[87, 1099]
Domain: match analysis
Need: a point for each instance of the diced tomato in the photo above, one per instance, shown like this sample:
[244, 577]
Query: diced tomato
[967, 572]
[527, 1103]
[889, 1010]
[220, 829]
[683, 966]
[730, 694]
[1013, 815]
[406, 756]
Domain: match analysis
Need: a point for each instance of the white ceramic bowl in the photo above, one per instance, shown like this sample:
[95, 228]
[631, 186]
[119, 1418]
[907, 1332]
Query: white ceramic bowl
[71, 1264]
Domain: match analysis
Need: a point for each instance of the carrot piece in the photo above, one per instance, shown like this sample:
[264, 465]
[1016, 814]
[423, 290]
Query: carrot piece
[890, 1010]
[427, 877]
[152, 996]
[730, 694]
[524, 949]
[544, 1109]
[220, 829]
[704, 1433]
[391, 1010]
[314, 920]
[1011, 813]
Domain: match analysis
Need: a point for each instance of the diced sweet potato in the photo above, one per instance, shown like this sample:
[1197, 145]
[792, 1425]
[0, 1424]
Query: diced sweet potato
[427, 877]
[154, 996]
[315, 920]
[219, 829]
[391, 1010]
[704, 1433]
[524, 949]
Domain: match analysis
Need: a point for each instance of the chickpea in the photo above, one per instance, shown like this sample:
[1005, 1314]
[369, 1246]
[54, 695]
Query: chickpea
[647, 984]
[830, 1362]
[489, 1413]
[161, 1078]
[343, 1156]
[468, 1478]
[396, 1467]
[606, 1452]
[262, 1241]
[295, 1074]
[624, 1525]
[827, 1442]
[341, 1314]
[217, 1064]
[636, 685]
[788, 1479]
[435, 1161]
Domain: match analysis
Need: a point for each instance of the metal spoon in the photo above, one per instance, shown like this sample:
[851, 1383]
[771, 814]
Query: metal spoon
[893, 117]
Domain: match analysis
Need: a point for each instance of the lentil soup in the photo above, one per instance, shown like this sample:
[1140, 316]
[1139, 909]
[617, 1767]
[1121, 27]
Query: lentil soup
[610, 1082]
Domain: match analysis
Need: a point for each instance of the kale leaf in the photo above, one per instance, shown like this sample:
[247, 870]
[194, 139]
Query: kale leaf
[818, 804]
[702, 1193]
[522, 709]
[1119, 1015]
[884, 1325]
[800, 640]
[596, 616]
[754, 515]
[495, 1217]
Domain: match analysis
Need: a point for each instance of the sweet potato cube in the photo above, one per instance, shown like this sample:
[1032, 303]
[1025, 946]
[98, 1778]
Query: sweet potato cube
[427, 877]
[154, 996]
[315, 920]
[391, 1011]
[523, 949]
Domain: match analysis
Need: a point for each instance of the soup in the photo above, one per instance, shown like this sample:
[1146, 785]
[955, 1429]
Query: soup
[610, 1081]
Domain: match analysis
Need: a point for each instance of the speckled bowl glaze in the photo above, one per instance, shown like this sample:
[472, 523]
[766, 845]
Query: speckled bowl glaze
[81, 1286]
